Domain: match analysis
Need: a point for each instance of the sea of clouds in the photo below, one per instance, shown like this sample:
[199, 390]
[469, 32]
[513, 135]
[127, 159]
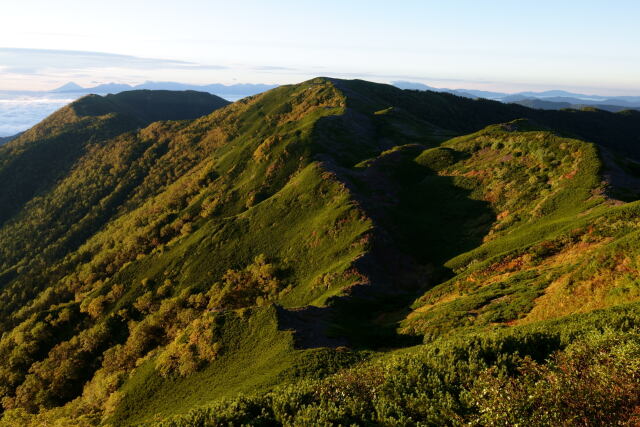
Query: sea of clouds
[19, 113]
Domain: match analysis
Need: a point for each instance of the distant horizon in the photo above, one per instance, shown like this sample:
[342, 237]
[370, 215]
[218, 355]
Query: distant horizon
[431, 83]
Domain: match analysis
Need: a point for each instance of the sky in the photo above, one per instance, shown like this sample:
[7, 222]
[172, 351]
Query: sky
[587, 46]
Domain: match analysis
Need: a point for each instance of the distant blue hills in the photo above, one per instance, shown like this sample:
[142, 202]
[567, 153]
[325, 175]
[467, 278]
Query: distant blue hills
[550, 99]
[547, 100]
[241, 89]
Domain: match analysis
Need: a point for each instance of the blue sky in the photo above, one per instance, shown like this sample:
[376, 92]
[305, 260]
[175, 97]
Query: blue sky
[588, 46]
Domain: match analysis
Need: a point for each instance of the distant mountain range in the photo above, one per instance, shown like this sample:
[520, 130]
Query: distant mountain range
[73, 90]
[546, 100]
[543, 104]
[242, 89]
[5, 139]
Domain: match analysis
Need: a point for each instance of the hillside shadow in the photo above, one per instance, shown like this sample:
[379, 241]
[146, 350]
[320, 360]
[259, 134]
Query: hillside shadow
[422, 220]
[436, 217]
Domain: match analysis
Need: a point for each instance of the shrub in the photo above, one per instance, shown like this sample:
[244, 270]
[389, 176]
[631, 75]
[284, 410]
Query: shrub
[595, 382]
[243, 288]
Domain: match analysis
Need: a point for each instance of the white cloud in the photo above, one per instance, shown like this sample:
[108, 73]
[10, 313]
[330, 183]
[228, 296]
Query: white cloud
[30, 61]
[17, 115]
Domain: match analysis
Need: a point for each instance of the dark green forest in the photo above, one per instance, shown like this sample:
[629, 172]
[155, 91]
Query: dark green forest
[336, 252]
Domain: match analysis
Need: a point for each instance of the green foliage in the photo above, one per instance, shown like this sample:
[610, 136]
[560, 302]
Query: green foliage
[190, 350]
[152, 268]
[255, 285]
[593, 382]
[437, 158]
[556, 373]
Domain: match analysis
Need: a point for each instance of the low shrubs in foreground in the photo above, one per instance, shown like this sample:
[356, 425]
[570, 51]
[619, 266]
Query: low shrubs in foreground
[595, 381]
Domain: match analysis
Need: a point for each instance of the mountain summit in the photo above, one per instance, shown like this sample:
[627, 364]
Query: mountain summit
[68, 87]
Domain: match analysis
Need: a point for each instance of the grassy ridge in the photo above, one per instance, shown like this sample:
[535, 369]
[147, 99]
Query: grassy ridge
[545, 191]
[186, 262]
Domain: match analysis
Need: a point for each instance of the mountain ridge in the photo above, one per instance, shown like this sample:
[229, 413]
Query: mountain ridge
[331, 226]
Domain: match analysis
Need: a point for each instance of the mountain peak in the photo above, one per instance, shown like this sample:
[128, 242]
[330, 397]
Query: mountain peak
[69, 87]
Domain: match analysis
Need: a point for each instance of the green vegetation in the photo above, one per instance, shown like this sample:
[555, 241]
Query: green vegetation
[333, 252]
[477, 379]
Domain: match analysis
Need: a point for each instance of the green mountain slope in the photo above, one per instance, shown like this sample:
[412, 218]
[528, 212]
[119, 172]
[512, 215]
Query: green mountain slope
[298, 246]
[36, 159]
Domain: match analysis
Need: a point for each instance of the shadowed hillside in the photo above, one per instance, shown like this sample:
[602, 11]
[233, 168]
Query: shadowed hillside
[337, 252]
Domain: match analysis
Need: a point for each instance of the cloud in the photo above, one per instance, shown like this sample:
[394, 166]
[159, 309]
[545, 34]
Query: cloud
[272, 68]
[37, 61]
[204, 67]
[20, 70]
[17, 115]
